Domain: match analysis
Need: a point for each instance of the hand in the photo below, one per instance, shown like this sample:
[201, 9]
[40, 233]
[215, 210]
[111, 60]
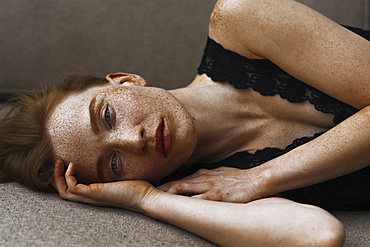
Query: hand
[125, 194]
[220, 184]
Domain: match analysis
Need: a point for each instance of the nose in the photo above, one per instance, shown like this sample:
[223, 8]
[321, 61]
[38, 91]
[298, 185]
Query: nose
[130, 140]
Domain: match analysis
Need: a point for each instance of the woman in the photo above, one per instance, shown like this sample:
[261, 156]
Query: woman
[247, 108]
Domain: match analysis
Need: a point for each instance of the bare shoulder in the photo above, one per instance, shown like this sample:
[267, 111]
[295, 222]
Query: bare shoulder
[249, 24]
[301, 41]
[225, 23]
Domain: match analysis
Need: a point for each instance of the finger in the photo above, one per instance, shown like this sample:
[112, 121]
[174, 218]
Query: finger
[82, 192]
[213, 172]
[204, 175]
[75, 191]
[163, 187]
[190, 182]
[70, 178]
[74, 187]
[234, 196]
[59, 182]
[205, 196]
[170, 185]
[200, 196]
[198, 173]
[211, 196]
[193, 179]
[188, 188]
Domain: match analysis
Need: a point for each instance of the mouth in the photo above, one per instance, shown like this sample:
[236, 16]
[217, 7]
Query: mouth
[163, 144]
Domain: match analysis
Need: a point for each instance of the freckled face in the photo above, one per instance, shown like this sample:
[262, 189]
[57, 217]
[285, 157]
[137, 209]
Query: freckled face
[118, 132]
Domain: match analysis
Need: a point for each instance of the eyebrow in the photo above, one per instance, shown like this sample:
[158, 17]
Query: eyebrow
[93, 119]
[95, 128]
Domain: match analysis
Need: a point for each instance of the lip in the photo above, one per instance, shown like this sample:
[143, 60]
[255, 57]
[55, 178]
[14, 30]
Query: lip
[167, 139]
[163, 144]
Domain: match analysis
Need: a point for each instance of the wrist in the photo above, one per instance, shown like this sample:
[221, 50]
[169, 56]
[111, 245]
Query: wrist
[266, 184]
[276, 179]
[150, 202]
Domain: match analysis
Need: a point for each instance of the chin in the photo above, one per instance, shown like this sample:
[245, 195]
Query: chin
[177, 159]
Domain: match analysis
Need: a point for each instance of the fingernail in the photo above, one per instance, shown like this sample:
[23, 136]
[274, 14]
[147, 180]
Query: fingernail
[70, 164]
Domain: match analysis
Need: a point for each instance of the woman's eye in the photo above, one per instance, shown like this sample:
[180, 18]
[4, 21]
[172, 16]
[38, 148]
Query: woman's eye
[114, 164]
[107, 116]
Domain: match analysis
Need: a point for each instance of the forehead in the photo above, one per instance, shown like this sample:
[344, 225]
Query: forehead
[69, 127]
[73, 110]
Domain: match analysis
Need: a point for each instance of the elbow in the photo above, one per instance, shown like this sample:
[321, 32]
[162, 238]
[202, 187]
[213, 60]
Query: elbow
[230, 18]
[332, 235]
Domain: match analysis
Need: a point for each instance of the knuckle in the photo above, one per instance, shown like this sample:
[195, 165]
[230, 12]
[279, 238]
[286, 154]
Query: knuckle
[221, 195]
[204, 176]
[224, 168]
[72, 189]
[201, 170]
[177, 187]
[64, 196]
[209, 184]
[166, 186]
[181, 186]
[169, 184]
[215, 194]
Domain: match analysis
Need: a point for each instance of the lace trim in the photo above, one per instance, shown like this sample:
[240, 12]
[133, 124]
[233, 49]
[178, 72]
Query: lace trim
[266, 78]
[241, 160]
[246, 160]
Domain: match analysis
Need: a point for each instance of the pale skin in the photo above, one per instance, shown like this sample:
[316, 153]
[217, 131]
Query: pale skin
[313, 49]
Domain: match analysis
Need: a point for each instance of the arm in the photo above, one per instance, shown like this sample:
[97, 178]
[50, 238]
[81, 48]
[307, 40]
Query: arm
[342, 150]
[226, 224]
[304, 43]
[315, 50]
[320, 53]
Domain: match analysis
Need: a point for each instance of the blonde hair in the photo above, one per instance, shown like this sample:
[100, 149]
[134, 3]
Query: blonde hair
[26, 152]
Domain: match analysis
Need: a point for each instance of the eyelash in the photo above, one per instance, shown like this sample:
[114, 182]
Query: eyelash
[108, 117]
[114, 166]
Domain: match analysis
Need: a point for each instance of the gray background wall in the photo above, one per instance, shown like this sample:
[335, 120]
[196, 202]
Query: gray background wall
[44, 40]
[349, 12]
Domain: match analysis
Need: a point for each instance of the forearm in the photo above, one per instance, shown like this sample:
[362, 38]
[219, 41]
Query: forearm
[342, 150]
[268, 222]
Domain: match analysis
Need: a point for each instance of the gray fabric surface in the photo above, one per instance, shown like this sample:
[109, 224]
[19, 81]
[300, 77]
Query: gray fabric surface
[357, 226]
[162, 40]
[30, 218]
[44, 40]
[348, 12]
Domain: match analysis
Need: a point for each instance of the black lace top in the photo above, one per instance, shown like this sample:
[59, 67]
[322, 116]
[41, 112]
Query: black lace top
[263, 76]
[266, 78]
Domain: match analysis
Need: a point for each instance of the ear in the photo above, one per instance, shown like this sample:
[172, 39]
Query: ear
[126, 79]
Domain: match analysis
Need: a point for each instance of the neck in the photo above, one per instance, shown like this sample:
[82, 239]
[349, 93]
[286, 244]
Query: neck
[222, 124]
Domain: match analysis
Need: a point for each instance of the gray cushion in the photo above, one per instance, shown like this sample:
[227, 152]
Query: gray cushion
[30, 218]
[44, 40]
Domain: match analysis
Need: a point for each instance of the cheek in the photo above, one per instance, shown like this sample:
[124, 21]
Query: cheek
[85, 173]
[79, 148]
[148, 170]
